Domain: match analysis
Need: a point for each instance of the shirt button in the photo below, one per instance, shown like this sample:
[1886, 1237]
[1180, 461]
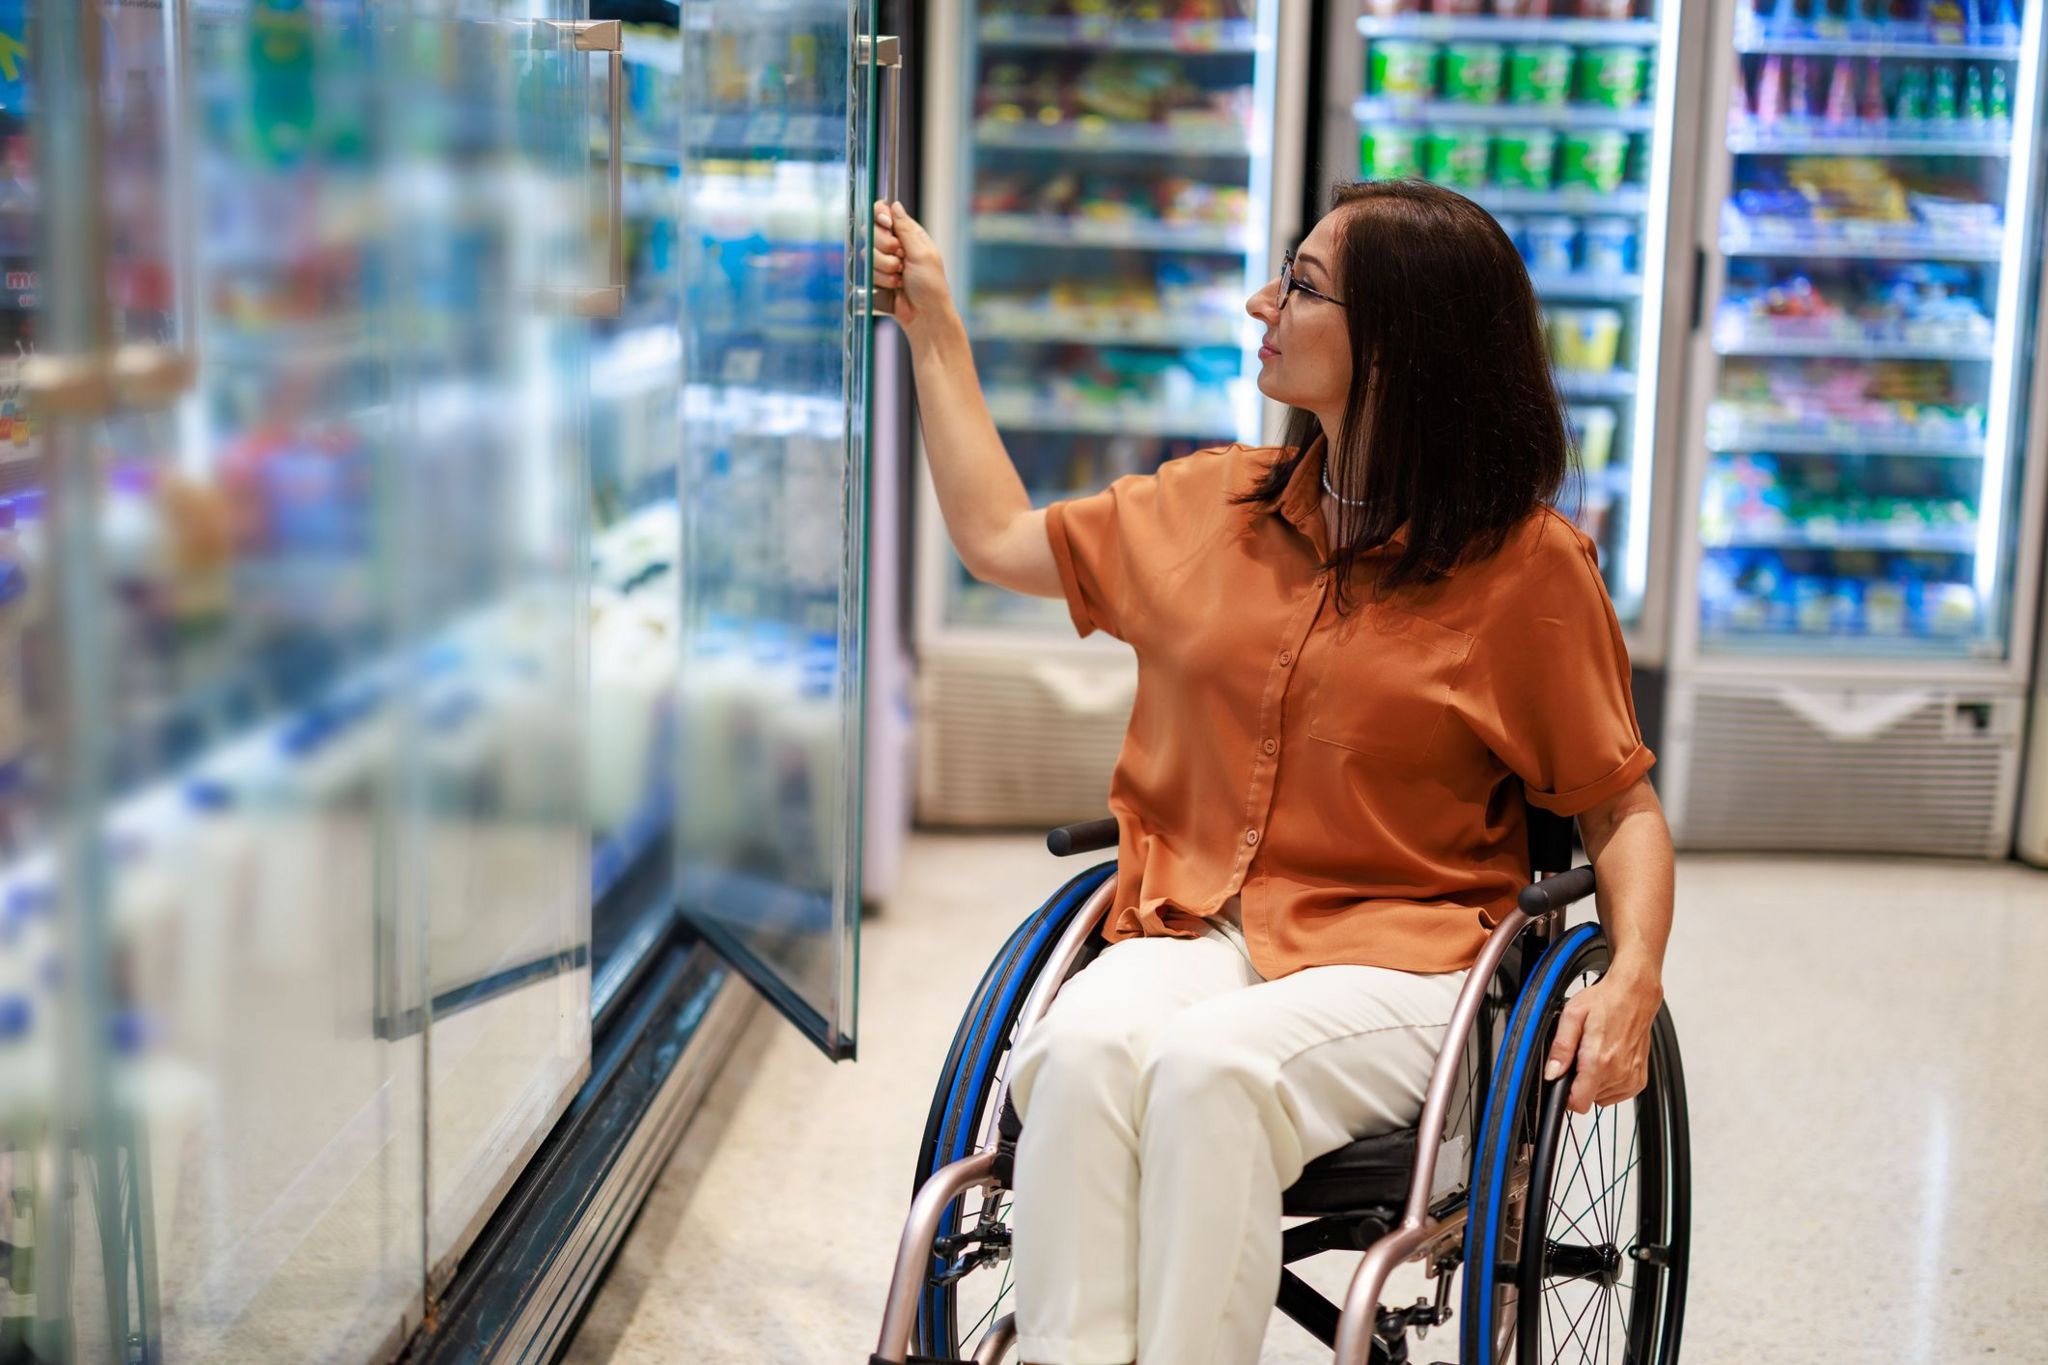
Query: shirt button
[1251, 836]
[1271, 746]
[1286, 657]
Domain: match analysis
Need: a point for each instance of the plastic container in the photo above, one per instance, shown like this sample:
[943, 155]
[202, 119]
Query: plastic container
[1456, 156]
[1390, 153]
[1473, 72]
[1594, 426]
[1612, 77]
[1524, 158]
[1461, 8]
[1389, 9]
[1585, 340]
[1550, 239]
[1607, 9]
[1402, 68]
[1592, 159]
[1539, 74]
[1610, 247]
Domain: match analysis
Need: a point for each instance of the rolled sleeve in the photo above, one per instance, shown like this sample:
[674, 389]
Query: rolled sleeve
[1089, 538]
[1550, 692]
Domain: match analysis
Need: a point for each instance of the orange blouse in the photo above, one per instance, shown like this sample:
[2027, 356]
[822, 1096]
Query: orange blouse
[1350, 777]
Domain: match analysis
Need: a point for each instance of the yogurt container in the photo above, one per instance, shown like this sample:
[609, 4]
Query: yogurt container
[1523, 158]
[1592, 159]
[1550, 238]
[1610, 247]
[1402, 68]
[1539, 74]
[1390, 153]
[1456, 156]
[1473, 72]
[1613, 77]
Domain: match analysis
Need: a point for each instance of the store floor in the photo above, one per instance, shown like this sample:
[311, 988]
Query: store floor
[1869, 1103]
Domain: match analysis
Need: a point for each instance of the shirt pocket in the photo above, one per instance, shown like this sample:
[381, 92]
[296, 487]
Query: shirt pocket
[1381, 683]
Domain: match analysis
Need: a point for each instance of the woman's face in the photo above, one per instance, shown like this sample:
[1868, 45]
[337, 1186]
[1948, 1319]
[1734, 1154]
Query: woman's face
[1306, 359]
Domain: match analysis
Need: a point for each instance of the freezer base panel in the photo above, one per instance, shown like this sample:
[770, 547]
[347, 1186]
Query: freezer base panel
[1856, 767]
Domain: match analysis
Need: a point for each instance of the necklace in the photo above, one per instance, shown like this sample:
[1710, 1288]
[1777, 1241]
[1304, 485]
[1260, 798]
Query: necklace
[1348, 502]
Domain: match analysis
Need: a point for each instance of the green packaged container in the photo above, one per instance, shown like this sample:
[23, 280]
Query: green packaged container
[1402, 68]
[1613, 77]
[1523, 158]
[1390, 153]
[1456, 157]
[1473, 72]
[1539, 73]
[1592, 160]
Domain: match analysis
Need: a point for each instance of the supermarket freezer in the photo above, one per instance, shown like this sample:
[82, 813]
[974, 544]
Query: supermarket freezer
[1863, 490]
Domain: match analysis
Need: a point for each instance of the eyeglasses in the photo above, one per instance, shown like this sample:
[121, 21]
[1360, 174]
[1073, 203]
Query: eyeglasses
[1288, 284]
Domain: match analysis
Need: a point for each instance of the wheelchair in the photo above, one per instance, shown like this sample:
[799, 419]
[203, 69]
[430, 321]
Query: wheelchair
[1557, 1236]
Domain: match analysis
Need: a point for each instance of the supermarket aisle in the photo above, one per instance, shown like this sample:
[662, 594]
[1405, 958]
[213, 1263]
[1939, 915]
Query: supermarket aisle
[1867, 1106]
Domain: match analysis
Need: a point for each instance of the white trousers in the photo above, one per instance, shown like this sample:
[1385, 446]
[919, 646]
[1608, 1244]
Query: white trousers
[1169, 1095]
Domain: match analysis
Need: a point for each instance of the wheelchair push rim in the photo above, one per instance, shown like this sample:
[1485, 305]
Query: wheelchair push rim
[1578, 1245]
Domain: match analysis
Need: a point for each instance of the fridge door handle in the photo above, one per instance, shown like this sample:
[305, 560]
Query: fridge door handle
[608, 36]
[886, 52]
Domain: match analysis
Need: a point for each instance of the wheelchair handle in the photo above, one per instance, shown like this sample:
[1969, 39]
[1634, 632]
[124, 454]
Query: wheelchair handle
[1090, 836]
[1555, 893]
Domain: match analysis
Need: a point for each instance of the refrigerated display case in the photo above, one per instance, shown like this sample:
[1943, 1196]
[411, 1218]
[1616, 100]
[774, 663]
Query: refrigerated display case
[1104, 188]
[1570, 123]
[1862, 521]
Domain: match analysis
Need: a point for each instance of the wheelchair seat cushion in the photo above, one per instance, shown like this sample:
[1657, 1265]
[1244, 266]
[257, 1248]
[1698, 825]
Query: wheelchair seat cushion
[1371, 1173]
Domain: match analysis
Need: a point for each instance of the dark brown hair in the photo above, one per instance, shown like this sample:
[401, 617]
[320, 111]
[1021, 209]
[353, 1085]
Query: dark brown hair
[1453, 427]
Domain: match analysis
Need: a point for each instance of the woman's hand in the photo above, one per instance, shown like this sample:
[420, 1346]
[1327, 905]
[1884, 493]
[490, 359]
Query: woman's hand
[1606, 1028]
[907, 261]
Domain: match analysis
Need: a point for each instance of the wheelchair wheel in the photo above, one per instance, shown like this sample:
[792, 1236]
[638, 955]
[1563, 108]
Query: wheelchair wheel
[1576, 1245]
[969, 1287]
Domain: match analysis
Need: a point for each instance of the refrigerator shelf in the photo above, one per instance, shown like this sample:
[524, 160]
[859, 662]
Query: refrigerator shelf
[1596, 384]
[1104, 329]
[752, 132]
[1571, 285]
[1729, 435]
[1159, 139]
[1031, 412]
[1855, 240]
[1494, 28]
[1629, 200]
[1140, 234]
[1125, 35]
[1959, 540]
[1384, 109]
[1922, 137]
[1850, 341]
[1874, 40]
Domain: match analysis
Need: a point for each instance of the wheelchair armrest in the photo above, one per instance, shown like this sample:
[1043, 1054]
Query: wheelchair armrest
[1555, 893]
[1090, 836]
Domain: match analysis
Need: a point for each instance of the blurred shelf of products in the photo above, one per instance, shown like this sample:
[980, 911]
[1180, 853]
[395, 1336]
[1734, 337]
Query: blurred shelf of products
[1859, 550]
[1102, 179]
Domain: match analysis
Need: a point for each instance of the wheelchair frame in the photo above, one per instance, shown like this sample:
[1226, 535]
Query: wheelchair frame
[1417, 1236]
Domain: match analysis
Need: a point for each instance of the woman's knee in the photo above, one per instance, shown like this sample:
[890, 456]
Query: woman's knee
[1074, 1048]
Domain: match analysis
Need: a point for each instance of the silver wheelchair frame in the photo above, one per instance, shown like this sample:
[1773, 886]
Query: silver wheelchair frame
[1418, 1236]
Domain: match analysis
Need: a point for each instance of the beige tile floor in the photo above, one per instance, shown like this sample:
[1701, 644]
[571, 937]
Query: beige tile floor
[1864, 1044]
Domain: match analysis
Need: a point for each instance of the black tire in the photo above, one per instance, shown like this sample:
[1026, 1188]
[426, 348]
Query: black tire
[951, 1317]
[1599, 1242]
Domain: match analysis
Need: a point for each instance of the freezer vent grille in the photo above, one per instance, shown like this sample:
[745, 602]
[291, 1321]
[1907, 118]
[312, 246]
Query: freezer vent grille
[1848, 770]
[1017, 740]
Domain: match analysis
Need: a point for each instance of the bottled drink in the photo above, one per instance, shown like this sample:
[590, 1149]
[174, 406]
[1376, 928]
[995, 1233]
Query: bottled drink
[1770, 91]
[1872, 108]
[1841, 94]
[1998, 100]
[1943, 103]
[1910, 104]
[1973, 95]
[1799, 99]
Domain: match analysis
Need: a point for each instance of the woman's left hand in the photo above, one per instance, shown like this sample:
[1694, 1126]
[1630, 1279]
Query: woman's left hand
[1606, 1028]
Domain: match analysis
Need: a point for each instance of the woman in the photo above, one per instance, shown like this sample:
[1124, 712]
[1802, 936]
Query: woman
[1354, 651]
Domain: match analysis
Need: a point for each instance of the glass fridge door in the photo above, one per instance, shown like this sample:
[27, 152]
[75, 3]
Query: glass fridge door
[1876, 245]
[501, 237]
[216, 416]
[778, 125]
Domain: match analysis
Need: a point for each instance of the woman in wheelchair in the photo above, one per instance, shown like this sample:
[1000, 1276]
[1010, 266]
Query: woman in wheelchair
[1357, 652]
